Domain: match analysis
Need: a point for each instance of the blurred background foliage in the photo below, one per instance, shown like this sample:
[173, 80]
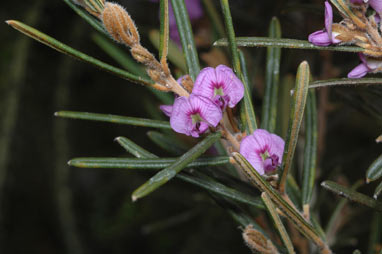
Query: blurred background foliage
[47, 207]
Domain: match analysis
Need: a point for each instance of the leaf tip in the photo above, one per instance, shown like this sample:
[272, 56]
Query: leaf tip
[134, 198]
[368, 180]
[69, 163]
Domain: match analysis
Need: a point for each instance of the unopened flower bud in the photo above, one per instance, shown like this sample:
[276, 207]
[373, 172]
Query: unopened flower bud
[257, 241]
[119, 24]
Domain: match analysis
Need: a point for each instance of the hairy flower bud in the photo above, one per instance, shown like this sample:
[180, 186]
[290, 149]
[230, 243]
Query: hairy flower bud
[119, 24]
[256, 241]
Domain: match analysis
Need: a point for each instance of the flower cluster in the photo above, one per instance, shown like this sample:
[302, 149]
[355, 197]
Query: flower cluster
[214, 90]
[356, 29]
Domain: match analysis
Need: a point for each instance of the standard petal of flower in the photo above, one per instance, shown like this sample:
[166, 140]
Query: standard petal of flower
[180, 120]
[205, 83]
[207, 109]
[277, 147]
[320, 38]
[248, 149]
[232, 86]
[328, 18]
[376, 5]
[359, 71]
[166, 109]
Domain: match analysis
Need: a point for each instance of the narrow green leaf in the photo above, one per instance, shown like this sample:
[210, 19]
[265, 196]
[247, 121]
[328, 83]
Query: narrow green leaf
[296, 115]
[119, 55]
[205, 182]
[269, 113]
[378, 190]
[61, 47]
[247, 113]
[132, 163]
[374, 172]
[175, 55]
[114, 119]
[335, 218]
[352, 195]
[186, 37]
[95, 23]
[302, 225]
[167, 142]
[310, 149]
[133, 148]
[168, 173]
[164, 29]
[284, 99]
[375, 240]
[346, 82]
[278, 223]
[220, 189]
[214, 17]
[284, 43]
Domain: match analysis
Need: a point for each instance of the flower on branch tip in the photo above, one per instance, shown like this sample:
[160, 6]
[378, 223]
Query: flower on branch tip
[326, 36]
[220, 85]
[193, 115]
[367, 65]
[263, 150]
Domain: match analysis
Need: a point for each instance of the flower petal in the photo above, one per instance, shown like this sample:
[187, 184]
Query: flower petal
[180, 120]
[248, 150]
[233, 87]
[204, 83]
[328, 18]
[277, 147]
[320, 38]
[359, 71]
[376, 5]
[166, 109]
[208, 110]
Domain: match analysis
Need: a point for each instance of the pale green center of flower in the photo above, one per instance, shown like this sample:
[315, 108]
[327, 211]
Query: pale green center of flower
[264, 155]
[218, 91]
[196, 118]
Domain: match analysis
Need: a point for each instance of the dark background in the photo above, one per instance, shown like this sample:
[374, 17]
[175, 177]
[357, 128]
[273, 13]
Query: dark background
[49, 207]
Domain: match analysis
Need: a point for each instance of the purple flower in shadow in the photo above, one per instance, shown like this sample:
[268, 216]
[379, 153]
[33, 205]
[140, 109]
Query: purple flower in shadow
[366, 66]
[193, 115]
[220, 85]
[263, 150]
[325, 37]
[195, 11]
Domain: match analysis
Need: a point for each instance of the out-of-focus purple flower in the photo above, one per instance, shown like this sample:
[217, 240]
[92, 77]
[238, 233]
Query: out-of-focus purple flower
[263, 150]
[376, 5]
[166, 109]
[195, 11]
[325, 37]
[194, 114]
[367, 65]
[219, 84]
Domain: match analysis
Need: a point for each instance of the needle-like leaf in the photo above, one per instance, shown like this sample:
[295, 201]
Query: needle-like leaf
[114, 119]
[61, 47]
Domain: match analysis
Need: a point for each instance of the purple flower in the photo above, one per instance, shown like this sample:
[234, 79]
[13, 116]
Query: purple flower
[376, 5]
[193, 115]
[263, 150]
[325, 37]
[195, 12]
[367, 65]
[220, 85]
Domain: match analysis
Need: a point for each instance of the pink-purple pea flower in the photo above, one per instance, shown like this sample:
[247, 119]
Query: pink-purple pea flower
[367, 65]
[220, 85]
[194, 114]
[325, 37]
[263, 150]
